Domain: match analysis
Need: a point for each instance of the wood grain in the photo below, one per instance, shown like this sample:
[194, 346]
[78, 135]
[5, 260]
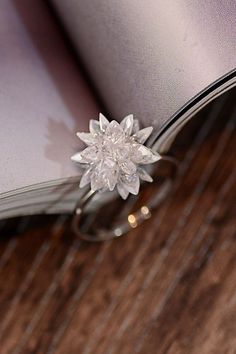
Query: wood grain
[167, 287]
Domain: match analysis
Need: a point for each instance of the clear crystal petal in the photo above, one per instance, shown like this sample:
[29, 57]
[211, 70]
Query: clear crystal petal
[122, 191]
[144, 155]
[124, 151]
[103, 122]
[78, 158]
[115, 133]
[128, 167]
[86, 178]
[87, 138]
[131, 183]
[144, 175]
[94, 126]
[127, 124]
[136, 126]
[112, 179]
[90, 154]
[142, 135]
[108, 169]
[97, 181]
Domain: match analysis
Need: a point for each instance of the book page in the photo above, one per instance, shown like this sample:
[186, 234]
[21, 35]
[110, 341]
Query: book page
[153, 57]
[44, 99]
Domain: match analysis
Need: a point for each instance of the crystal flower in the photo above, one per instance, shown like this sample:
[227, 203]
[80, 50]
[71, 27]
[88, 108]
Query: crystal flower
[114, 155]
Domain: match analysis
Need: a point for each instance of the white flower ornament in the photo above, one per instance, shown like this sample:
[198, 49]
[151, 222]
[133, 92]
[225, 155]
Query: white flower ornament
[114, 155]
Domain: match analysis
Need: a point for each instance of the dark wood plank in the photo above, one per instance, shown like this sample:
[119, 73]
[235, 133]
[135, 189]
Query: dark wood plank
[167, 287]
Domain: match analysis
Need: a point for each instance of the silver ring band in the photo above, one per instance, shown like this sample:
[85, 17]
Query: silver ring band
[89, 225]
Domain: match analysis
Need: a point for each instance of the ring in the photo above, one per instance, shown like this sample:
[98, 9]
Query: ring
[116, 163]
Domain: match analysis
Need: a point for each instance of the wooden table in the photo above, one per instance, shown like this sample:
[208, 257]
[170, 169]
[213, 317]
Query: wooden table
[167, 287]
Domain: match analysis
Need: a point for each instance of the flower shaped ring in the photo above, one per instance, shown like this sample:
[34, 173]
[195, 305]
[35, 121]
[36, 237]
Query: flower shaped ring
[114, 159]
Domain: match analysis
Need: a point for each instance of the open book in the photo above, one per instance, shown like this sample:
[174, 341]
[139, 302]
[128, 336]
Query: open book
[161, 61]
